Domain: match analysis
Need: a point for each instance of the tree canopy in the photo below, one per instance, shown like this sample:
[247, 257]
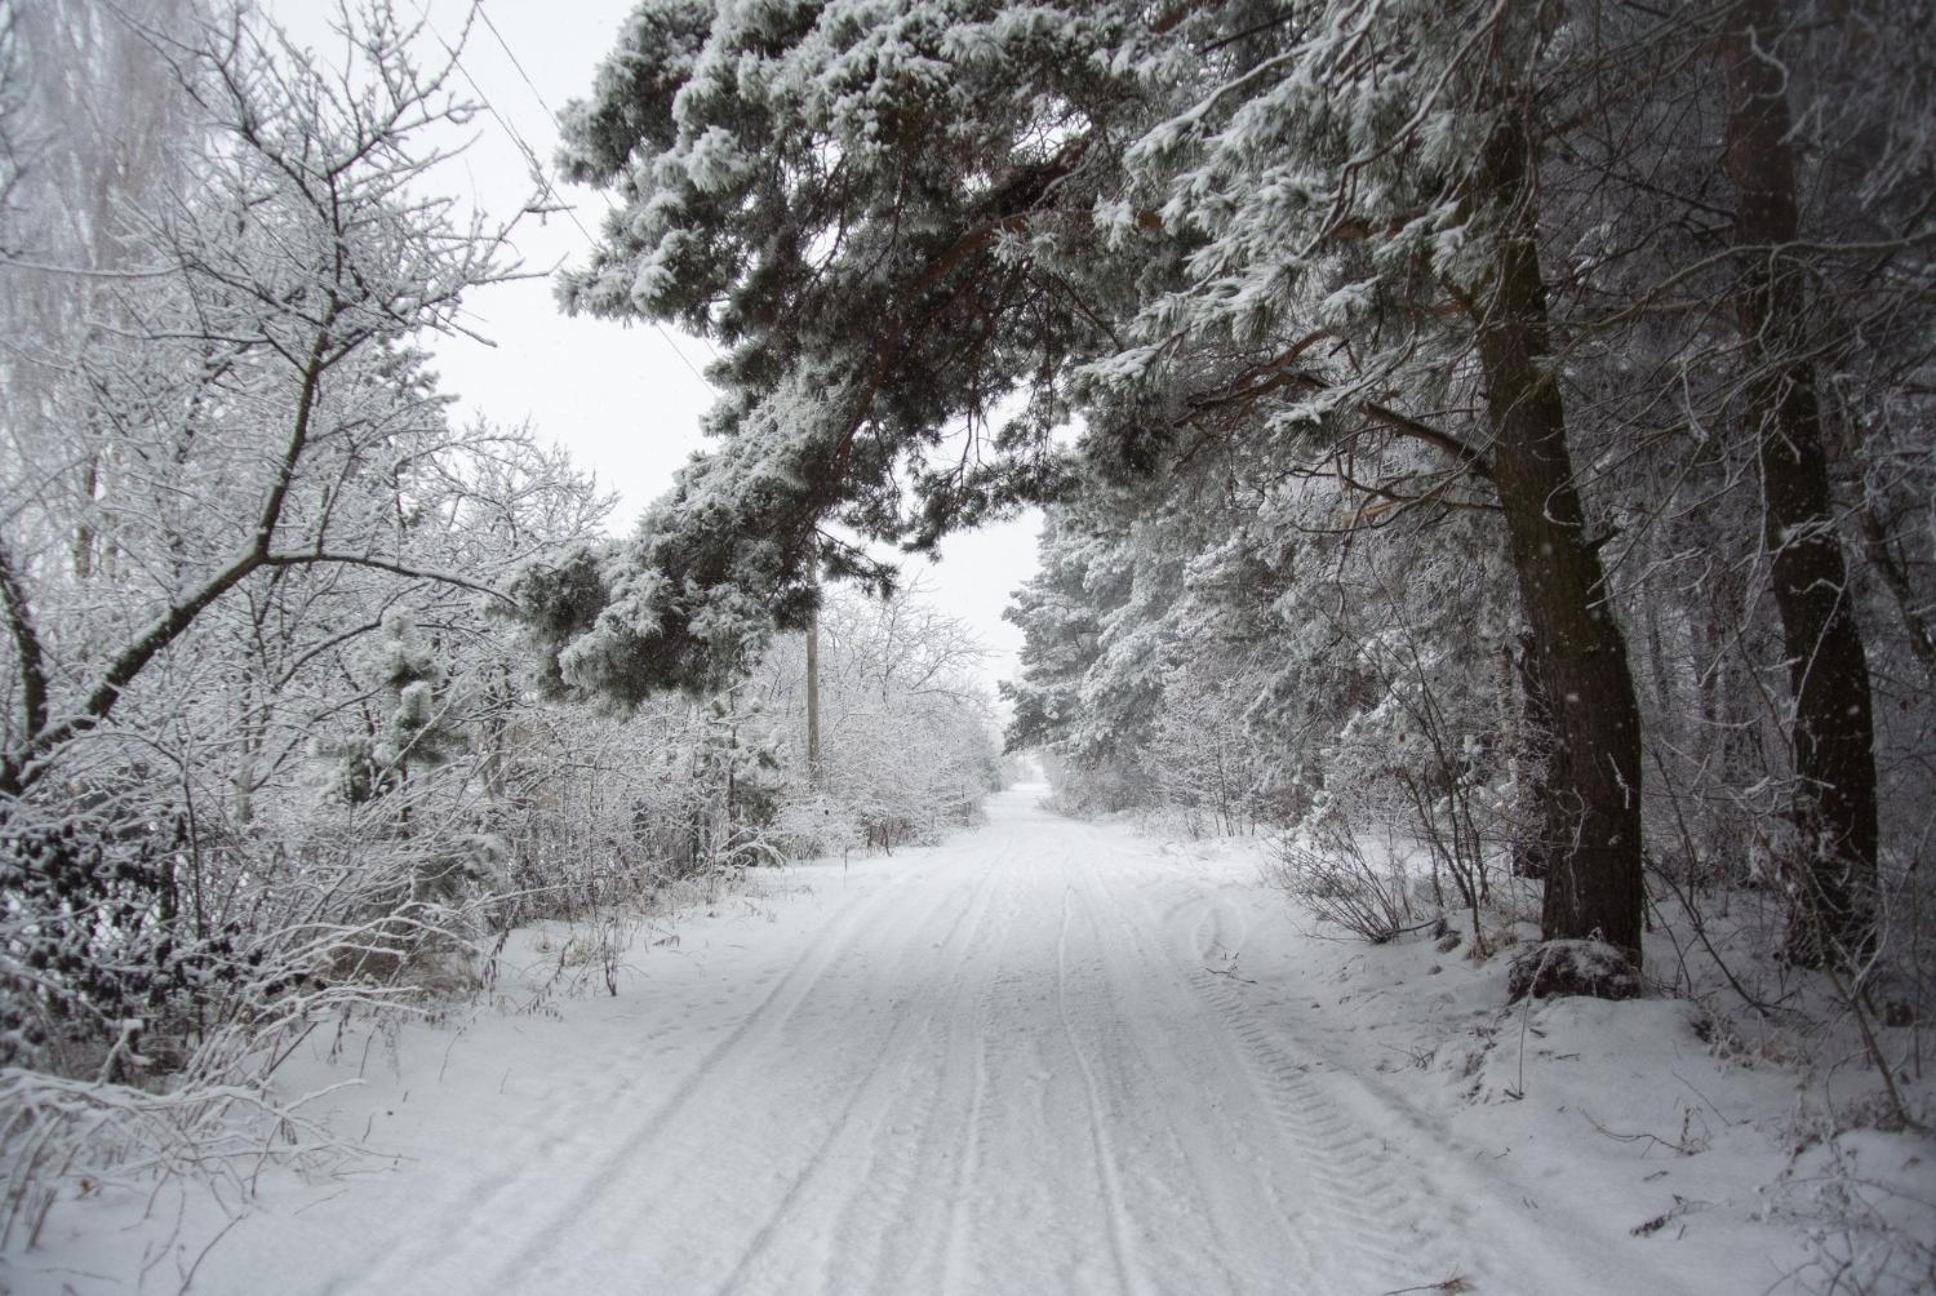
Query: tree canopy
[965, 254]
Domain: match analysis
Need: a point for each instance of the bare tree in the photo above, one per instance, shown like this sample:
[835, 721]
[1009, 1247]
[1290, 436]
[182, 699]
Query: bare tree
[258, 370]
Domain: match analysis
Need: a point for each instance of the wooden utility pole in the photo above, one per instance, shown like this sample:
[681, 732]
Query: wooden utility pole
[813, 699]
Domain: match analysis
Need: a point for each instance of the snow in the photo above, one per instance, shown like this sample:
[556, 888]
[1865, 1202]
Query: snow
[1046, 1056]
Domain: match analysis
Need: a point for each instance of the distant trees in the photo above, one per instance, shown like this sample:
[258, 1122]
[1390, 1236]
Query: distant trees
[1335, 275]
[908, 742]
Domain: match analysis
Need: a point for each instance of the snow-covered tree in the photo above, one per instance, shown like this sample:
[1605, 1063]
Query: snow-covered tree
[259, 389]
[894, 215]
[1470, 261]
[226, 471]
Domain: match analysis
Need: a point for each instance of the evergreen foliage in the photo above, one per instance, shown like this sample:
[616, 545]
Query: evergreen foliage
[1370, 286]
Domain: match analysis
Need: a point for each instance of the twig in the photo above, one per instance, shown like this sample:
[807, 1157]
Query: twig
[1455, 1284]
[447, 1048]
[1681, 1148]
[189, 1277]
[276, 1062]
[1704, 1098]
[1872, 1047]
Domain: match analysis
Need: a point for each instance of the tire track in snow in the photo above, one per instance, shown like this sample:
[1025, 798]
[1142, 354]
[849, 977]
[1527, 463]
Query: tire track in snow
[877, 1095]
[478, 1213]
[1382, 1219]
[1445, 1223]
[897, 1111]
[540, 1142]
[954, 1242]
[1216, 1199]
[938, 1146]
[950, 1256]
[768, 1024]
[1331, 1107]
[1343, 1176]
[1107, 1171]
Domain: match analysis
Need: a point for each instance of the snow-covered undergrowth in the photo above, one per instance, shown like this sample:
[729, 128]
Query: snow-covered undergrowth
[130, 1189]
[1742, 1091]
[1046, 1055]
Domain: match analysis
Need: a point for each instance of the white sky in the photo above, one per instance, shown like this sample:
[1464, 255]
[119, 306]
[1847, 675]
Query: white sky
[620, 398]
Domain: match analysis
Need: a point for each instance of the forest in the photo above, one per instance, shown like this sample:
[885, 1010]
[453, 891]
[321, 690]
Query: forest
[1485, 452]
[1504, 422]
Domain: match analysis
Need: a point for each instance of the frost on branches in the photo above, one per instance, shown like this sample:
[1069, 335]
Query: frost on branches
[258, 730]
[1428, 292]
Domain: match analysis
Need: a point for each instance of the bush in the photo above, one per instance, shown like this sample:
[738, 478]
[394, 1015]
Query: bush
[1554, 968]
[1340, 885]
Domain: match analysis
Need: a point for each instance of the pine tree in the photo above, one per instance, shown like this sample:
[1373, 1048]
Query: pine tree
[897, 215]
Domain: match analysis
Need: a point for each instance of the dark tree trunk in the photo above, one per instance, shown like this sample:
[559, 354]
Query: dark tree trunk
[1593, 875]
[1533, 846]
[1828, 673]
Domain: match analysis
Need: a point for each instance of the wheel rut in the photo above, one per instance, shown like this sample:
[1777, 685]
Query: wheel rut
[1011, 1063]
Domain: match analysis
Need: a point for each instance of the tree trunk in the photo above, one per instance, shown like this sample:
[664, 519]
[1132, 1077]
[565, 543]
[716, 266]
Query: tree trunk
[84, 537]
[1593, 876]
[1729, 750]
[1833, 732]
[1883, 550]
[1535, 843]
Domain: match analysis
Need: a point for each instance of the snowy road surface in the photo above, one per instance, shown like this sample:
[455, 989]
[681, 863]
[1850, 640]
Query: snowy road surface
[1025, 1061]
[996, 1072]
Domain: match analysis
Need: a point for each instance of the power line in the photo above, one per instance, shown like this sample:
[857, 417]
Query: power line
[530, 154]
[559, 124]
[512, 55]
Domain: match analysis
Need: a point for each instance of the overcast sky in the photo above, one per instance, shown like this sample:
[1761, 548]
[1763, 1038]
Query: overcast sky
[625, 400]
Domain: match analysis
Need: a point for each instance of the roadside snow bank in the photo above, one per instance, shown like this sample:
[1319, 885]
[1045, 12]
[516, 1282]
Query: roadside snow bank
[1640, 1130]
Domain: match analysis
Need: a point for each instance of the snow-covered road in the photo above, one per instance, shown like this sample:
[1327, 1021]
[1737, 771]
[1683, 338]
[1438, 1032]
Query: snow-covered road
[996, 1071]
[1029, 1060]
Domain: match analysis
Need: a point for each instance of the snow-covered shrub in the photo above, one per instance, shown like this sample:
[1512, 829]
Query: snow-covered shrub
[1548, 969]
[1339, 884]
[91, 955]
[817, 824]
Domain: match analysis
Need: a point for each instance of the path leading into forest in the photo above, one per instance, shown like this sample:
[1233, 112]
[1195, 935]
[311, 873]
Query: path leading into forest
[996, 1072]
[1023, 1062]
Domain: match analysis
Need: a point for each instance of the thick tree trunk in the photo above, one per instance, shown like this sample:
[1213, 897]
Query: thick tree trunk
[1539, 740]
[1593, 876]
[1828, 673]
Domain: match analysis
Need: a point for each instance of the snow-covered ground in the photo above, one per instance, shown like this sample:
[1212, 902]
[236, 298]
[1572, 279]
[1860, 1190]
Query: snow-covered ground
[1048, 1056]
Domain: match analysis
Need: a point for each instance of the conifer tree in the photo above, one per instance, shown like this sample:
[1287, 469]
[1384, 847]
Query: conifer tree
[1193, 224]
